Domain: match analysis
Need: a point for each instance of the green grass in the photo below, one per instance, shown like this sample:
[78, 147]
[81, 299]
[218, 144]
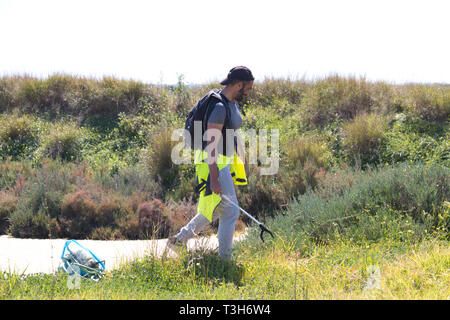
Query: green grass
[342, 270]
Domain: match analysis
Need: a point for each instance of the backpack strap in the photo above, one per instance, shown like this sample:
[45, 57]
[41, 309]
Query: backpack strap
[215, 94]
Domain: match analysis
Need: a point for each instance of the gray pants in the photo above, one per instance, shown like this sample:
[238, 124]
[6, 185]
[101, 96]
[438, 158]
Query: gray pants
[228, 215]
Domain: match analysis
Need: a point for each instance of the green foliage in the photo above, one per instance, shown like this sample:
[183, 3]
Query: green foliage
[64, 199]
[307, 151]
[40, 201]
[416, 141]
[336, 98]
[431, 103]
[363, 137]
[263, 195]
[129, 180]
[122, 130]
[12, 173]
[411, 197]
[62, 95]
[158, 158]
[63, 141]
[268, 91]
[8, 203]
[19, 135]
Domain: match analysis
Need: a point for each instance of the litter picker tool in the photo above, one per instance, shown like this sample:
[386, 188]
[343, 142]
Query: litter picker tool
[261, 226]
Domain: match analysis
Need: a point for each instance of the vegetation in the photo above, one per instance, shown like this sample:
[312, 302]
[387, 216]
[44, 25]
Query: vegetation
[362, 188]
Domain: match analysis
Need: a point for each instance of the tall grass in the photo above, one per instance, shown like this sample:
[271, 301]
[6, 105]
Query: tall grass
[363, 138]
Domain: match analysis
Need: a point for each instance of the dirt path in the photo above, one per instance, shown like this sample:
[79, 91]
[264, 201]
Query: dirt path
[44, 256]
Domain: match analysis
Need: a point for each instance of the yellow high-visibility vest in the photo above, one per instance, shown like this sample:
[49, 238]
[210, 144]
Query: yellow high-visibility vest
[208, 200]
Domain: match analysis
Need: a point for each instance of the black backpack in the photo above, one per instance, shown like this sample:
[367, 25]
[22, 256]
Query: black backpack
[201, 112]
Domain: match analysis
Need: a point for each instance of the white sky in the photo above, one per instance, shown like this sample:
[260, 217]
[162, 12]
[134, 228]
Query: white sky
[156, 41]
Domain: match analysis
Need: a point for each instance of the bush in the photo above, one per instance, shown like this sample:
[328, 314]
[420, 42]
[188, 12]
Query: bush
[62, 142]
[62, 94]
[7, 93]
[159, 159]
[306, 150]
[153, 220]
[78, 214]
[28, 224]
[412, 193]
[363, 138]
[18, 136]
[12, 174]
[429, 103]
[266, 92]
[129, 180]
[416, 140]
[41, 195]
[180, 213]
[263, 194]
[8, 203]
[336, 98]
[387, 99]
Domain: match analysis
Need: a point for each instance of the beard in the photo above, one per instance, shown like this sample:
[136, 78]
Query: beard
[241, 96]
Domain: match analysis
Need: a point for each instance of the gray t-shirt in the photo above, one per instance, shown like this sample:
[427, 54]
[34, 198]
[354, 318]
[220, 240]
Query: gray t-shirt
[218, 115]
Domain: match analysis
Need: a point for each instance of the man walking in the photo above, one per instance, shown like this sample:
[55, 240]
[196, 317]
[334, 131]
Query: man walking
[224, 157]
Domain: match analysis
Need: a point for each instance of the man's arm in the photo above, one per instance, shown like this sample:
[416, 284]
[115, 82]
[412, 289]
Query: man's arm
[212, 155]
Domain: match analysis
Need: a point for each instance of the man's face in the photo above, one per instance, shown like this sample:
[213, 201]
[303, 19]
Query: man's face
[244, 92]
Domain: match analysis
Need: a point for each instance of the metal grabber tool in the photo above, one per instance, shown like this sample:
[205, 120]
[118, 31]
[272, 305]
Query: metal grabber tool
[261, 226]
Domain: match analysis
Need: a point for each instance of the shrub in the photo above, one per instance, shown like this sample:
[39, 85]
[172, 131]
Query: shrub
[28, 224]
[185, 189]
[387, 98]
[180, 213]
[12, 174]
[78, 214]
[62, 142]
[266, 92]
[7, 93]
[159, 158]
[429, 103]
[417, 192]
[416, 140]
[134, 128]
[8, 204]
[112, 96]
[63, 95]
[85, 214]
[336, 98]
[263, 194]
[300, 151]
[18, 136]
[41, 194]
[183, 102]
[129, 180]
[106, 233]
[153, 221]
[363, 138]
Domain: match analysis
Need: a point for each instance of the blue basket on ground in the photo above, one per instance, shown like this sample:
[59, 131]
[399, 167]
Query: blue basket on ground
[77, 259]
